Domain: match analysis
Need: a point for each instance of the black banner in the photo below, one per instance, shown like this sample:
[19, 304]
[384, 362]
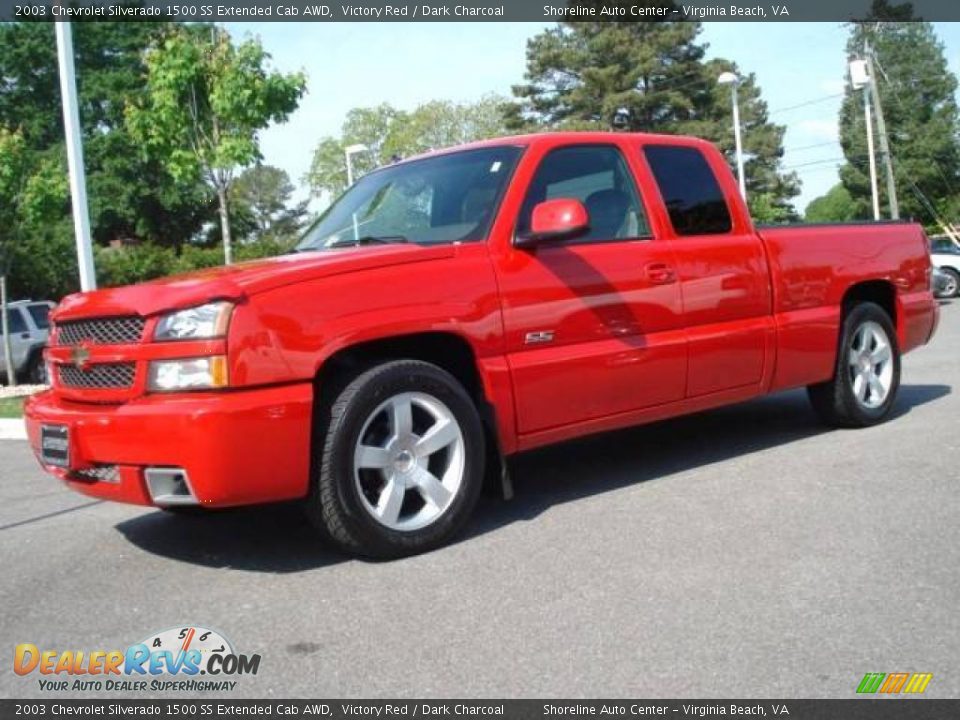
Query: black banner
[459, 10]
[857, 709]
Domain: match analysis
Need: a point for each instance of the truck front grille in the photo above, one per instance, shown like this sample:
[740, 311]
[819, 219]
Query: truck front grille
[101, 331]
[107, 376]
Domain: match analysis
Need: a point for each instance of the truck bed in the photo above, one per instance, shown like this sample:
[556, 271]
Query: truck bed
[812, 267]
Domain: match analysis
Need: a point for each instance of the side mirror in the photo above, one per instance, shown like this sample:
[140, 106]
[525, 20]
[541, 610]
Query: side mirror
[559, 219]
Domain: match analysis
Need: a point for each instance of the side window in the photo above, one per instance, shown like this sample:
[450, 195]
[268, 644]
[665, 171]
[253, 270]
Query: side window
[597, 176]
[689, 190]
[17, 324]
[40, 315]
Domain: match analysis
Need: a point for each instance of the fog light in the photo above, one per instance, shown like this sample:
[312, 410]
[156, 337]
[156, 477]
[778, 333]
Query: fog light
[204, 373]
[169, 486]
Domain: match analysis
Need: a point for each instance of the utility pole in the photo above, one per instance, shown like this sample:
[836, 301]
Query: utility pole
[882, 132]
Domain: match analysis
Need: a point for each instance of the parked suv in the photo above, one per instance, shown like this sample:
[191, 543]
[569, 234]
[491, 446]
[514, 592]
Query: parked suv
[29, 330]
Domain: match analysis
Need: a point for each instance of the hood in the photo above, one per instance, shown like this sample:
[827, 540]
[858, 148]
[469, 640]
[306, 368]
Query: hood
[235, 282]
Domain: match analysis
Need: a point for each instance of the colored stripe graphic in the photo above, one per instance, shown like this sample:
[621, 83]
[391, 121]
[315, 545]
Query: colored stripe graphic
[894, 683]
[918, 682]
[871, 682]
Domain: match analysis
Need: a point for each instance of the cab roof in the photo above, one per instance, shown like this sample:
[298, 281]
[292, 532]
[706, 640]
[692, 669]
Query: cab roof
[551, 139]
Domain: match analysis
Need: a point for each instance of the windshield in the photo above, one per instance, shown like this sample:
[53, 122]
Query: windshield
[443, 199]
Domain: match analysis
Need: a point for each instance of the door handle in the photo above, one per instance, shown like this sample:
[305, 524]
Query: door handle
[660, 273]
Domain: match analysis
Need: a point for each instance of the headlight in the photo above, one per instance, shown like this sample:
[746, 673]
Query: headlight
[199, 323]
[204, 373]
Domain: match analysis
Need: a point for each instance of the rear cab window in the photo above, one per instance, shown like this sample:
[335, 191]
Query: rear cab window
[690, 191]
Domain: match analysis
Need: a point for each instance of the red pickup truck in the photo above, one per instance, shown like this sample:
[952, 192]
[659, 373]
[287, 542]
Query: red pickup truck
[454, 309]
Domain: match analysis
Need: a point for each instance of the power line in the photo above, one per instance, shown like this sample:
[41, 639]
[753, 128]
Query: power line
[810, 147]
[814, 101]
[822, 161]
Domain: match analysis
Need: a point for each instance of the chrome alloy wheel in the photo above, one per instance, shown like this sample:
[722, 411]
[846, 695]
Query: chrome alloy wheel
[870, 364]
[409, 461]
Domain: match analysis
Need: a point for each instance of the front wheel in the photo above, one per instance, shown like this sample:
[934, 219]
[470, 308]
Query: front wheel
[401, 461]
[867, 374]
[36, 372]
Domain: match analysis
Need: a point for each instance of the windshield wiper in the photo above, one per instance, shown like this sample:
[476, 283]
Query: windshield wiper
[369, 240]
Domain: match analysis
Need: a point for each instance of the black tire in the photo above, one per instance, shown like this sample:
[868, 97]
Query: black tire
[36, 371]
[835, 401]
[335, 504]
[956, 277]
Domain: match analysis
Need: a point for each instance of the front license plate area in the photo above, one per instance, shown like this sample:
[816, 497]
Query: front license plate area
[55, 445]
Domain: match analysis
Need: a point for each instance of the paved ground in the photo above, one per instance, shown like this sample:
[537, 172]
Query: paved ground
[744, 552]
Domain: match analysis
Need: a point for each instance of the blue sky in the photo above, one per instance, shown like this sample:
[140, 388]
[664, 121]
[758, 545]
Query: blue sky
[404, 64]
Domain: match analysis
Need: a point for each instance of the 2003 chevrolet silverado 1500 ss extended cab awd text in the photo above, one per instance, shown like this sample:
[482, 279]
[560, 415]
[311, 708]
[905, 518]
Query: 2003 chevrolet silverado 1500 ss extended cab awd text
[453, 309]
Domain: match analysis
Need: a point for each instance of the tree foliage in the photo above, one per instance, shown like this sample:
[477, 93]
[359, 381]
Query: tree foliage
[262, 199]
[837, 205]
[33, 189]
[206, 99]
[130, 196]
[389, 133]
[649, 77]
[918, 95]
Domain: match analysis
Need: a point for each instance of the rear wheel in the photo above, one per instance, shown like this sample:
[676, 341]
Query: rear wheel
[867, 374]
[401, 461]
[952, 287]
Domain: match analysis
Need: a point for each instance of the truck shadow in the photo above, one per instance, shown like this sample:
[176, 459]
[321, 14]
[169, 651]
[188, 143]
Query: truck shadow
[279, 539]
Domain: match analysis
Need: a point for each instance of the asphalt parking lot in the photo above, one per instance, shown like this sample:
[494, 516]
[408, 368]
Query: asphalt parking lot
[746, 552]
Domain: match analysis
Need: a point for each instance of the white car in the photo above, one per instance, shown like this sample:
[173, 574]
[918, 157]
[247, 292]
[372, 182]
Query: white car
[29, 330]
[946, 255]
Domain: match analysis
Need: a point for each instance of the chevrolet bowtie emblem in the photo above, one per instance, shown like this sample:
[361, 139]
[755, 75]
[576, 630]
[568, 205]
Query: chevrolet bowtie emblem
[79, 355]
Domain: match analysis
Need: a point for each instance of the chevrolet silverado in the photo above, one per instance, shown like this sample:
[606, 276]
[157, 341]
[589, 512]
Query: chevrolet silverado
[453, 309]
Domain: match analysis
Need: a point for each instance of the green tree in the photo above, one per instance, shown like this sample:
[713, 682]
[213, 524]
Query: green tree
[649, 77]
[389, 133]
[918, 95]
[837, 205]
[129, 195]
[205, 100]
[262, 195]
[32, 187]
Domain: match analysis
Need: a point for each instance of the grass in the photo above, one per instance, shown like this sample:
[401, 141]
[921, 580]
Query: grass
[11, 407]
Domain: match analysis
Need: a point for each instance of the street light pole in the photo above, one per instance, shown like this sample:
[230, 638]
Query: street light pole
[349, 151]
[729, 78]
[859, 79]
[78, 183]
[868, 120]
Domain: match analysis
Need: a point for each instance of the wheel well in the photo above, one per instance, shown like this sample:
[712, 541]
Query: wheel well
[445, 350]
[880, 292]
